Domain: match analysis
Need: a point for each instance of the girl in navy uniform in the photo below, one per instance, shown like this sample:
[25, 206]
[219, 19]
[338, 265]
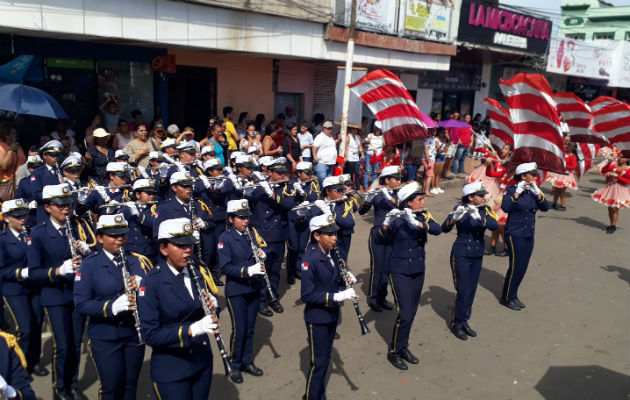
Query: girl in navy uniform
[21, 296]
[322, 292]
[408, 235]
[141, 218]
[242, 287]
[472, 218]
[172, 319]
[100, 293]
[118, 174]
[14, 382]
[520, 202]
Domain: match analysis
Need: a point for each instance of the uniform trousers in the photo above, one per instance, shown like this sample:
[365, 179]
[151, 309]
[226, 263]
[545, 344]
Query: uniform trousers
[520, 251]
[320, 341]
[243, 311]
[406, 290]
[211, 247]
[26, 311]
[67, 328]
[196, 387]
[273, 264]
[380, 253]
[466, 272]
[118, 363]
[298, 239]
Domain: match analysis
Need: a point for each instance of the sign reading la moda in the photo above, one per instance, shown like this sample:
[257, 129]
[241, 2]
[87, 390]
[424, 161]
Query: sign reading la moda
[506, 21]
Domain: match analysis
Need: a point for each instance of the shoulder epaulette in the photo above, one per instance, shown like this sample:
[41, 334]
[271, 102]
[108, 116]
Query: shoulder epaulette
[145, 263]
[12, 344]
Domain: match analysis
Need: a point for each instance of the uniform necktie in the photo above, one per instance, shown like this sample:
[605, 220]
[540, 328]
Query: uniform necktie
[181, 277]
[118, 261]
[23, 237]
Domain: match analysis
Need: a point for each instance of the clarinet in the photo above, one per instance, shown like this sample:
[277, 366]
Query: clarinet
[272, 295]
[126, 275]
[203, 293]
[343, 270]
[193, 217]
[73, 251]
[60, 176]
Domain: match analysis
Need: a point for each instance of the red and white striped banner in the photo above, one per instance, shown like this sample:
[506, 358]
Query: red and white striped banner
[501, 123]
[586, 152]
[391, 103]
[601, 102]
[613, 122]
[578, 116]
[535, 122]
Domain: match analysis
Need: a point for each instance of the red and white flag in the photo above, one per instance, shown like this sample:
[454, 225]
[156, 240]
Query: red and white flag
[586, 152]
[601, 102]
[613, 122]
[578, 116]
[501, 123]
[535, 122]
[391, 103]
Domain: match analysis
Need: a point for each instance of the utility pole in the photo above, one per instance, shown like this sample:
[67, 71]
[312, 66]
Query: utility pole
[346, 89]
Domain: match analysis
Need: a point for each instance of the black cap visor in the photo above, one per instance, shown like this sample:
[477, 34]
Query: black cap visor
[241, 213]
[481, 192]
[184, 239]
[148, 189]
[396, 175]
[336, 187]
[328, 228]
[62, 201]
[246, 165]
[281, 169]
[17, 213]
[114, 231]
[189, 182]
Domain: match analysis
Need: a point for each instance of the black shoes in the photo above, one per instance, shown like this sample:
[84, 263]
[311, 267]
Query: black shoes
[512, 305]
[75, 394]
[561, 208]
[276, 306]
[298, 275]
[501, 253]
[469, 331]
[236, 377]
[490, 250]
[611, 229]
[520, 303]
[265, 311]
[386, 305]
[407, 356]
[38, 370]
[374, 306]
[459, 333]
[252, 370]
[554, 206]
[62, 396]
[397, 361]
[337, 336]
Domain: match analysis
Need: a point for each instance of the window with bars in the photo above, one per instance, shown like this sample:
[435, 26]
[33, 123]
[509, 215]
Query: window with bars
[577, 36]
[604, 35]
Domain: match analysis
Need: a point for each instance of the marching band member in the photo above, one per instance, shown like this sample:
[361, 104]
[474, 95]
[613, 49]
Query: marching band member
[169, 148]
[615, 194]
[14, 382]
[140, 219]
[271, 205]
[121, 156]
[158, 174]
[495, 175]
[26, 189]
[233, 188]
[472, 217]
[307, 191]
[207, 153]
[21, 296]
[47, 174]
[408, 236]
[323, 290]
[101, 293]
[560, 182]
[118, 174]
[242, 287]
[380, 248]
[52, 263]
[172, 318]
[520, 202]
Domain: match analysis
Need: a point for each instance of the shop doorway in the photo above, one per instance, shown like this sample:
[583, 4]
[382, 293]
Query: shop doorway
[192, 98]
[461, 100]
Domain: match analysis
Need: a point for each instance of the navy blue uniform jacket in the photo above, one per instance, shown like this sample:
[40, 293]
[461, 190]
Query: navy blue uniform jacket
[172, 208]
[320, 281]
[12, 261]
[470, 241]
[12, 369]
[521, 218]
[235, 256]
[270, 214]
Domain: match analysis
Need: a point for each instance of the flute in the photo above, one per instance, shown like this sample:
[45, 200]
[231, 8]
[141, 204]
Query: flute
[126, 275]
[127, 203]
[272, 295]
[343, 270]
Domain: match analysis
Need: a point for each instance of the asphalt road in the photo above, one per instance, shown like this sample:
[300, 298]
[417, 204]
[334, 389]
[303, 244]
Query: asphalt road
[571, 342]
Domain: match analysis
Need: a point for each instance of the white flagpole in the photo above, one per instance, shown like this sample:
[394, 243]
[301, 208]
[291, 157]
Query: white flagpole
[346, 88]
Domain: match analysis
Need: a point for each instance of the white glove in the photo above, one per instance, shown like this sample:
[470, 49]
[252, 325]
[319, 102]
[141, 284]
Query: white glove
[235, 181]
[6, 391]
[351, 278]
[213, 300]
[344, 295]
[163, 172]
[533, 187]
[200, 224]
[32, 205]
[258, 175]
[345, 178]
[267, 188]
[24, 273]
[387, 220]
[203, 326]
[143, 172]
[369, 197]
[83, 248]
[261, 253]
[411, 218]
[138, 280]
[298, 188]
[133, 209]
[459, 213]
[255, 269]
[321, 204]
[520, 187]
[103, 193]
[205, 181]
[66, 268]
[386, 194]
[81, 197]
[228, 170]
[474, 212]
[120, 304]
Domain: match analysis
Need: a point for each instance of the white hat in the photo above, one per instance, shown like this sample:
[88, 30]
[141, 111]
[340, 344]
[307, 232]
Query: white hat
[172, 129]
[245, 160]
[170, 142]
[15, 208]
[474, 188]
[279, 165]
[526, 167]
[212, 163]
[323, 223]
[339, 181]
[252, 149]
[178, 230]
[265, 160]
[190, 145]
[208, 150]
[155, 155]
[112, 224]
[71, 162]
[144, 185]
[409, 189]
[121, 154]
[235, 154]
[100, 133]
[304, 166]
[378, 125]
[327, 124]
[59, 194]
[239, 207]
[53, 146]
[391, 171]
[117, 166]
[182, 178]
[34, 159]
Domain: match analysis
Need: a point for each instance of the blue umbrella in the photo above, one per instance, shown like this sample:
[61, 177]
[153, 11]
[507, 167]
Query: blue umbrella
[24, 99]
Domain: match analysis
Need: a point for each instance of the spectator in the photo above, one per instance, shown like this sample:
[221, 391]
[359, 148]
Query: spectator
[441, 147]
[318, 121]
[324, 152]
[352, 155]
[387, 157]
[241, 126]
[123, 136]
[110, 112]
[463, 141]
[428, 162]
[187, 134]
[306, 142]
[173, 131]
[63, 131]
[139, 148]
[409, 160]
[44, 139]
[252, 138]
[99, 155]
[24, 170]
[374, 143]
[291, 146]
[486, 129]
[270, 148]
[158, 136]
[8, 164]
[230, 131]
[95, 123]
[450, 154]
[290, 118]
[219, 141]
[136, 119]
[260, 122]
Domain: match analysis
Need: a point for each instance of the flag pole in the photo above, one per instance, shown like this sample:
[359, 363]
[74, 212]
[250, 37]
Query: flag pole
[346, 88]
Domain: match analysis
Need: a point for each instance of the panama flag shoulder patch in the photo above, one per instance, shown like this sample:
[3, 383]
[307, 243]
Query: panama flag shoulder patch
[220, 245]
[77, 277]
[304, 266]
[141, 292]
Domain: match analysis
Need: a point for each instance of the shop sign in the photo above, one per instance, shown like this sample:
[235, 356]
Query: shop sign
[429, 20]
[573, 21]
[72, 63]
[164, 63]
[488, 24]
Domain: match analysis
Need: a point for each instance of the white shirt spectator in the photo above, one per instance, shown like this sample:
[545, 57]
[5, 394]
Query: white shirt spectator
[305, 140]
[375, 145]
[430, 143]
[111, 120]
[123, 141]
[326, 149]
[353, 148]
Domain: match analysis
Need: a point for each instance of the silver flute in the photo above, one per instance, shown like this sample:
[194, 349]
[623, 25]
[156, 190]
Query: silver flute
[128, 291]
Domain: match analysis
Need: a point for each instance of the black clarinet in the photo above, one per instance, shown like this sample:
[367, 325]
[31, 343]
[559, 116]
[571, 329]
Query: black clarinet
[203, 293]
[272, 295]
[193, 217]
[128, 291]
[343, 270]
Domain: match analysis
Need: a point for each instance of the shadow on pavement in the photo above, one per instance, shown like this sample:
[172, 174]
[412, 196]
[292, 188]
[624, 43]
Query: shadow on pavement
[90, 375]
[442, 301]
[583, 382]
[262, 336]
[623, 273]
[492, 281]
[336, 366]
[223, 388]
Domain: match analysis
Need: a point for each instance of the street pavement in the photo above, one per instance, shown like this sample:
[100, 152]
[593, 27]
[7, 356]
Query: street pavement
[571, 342]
